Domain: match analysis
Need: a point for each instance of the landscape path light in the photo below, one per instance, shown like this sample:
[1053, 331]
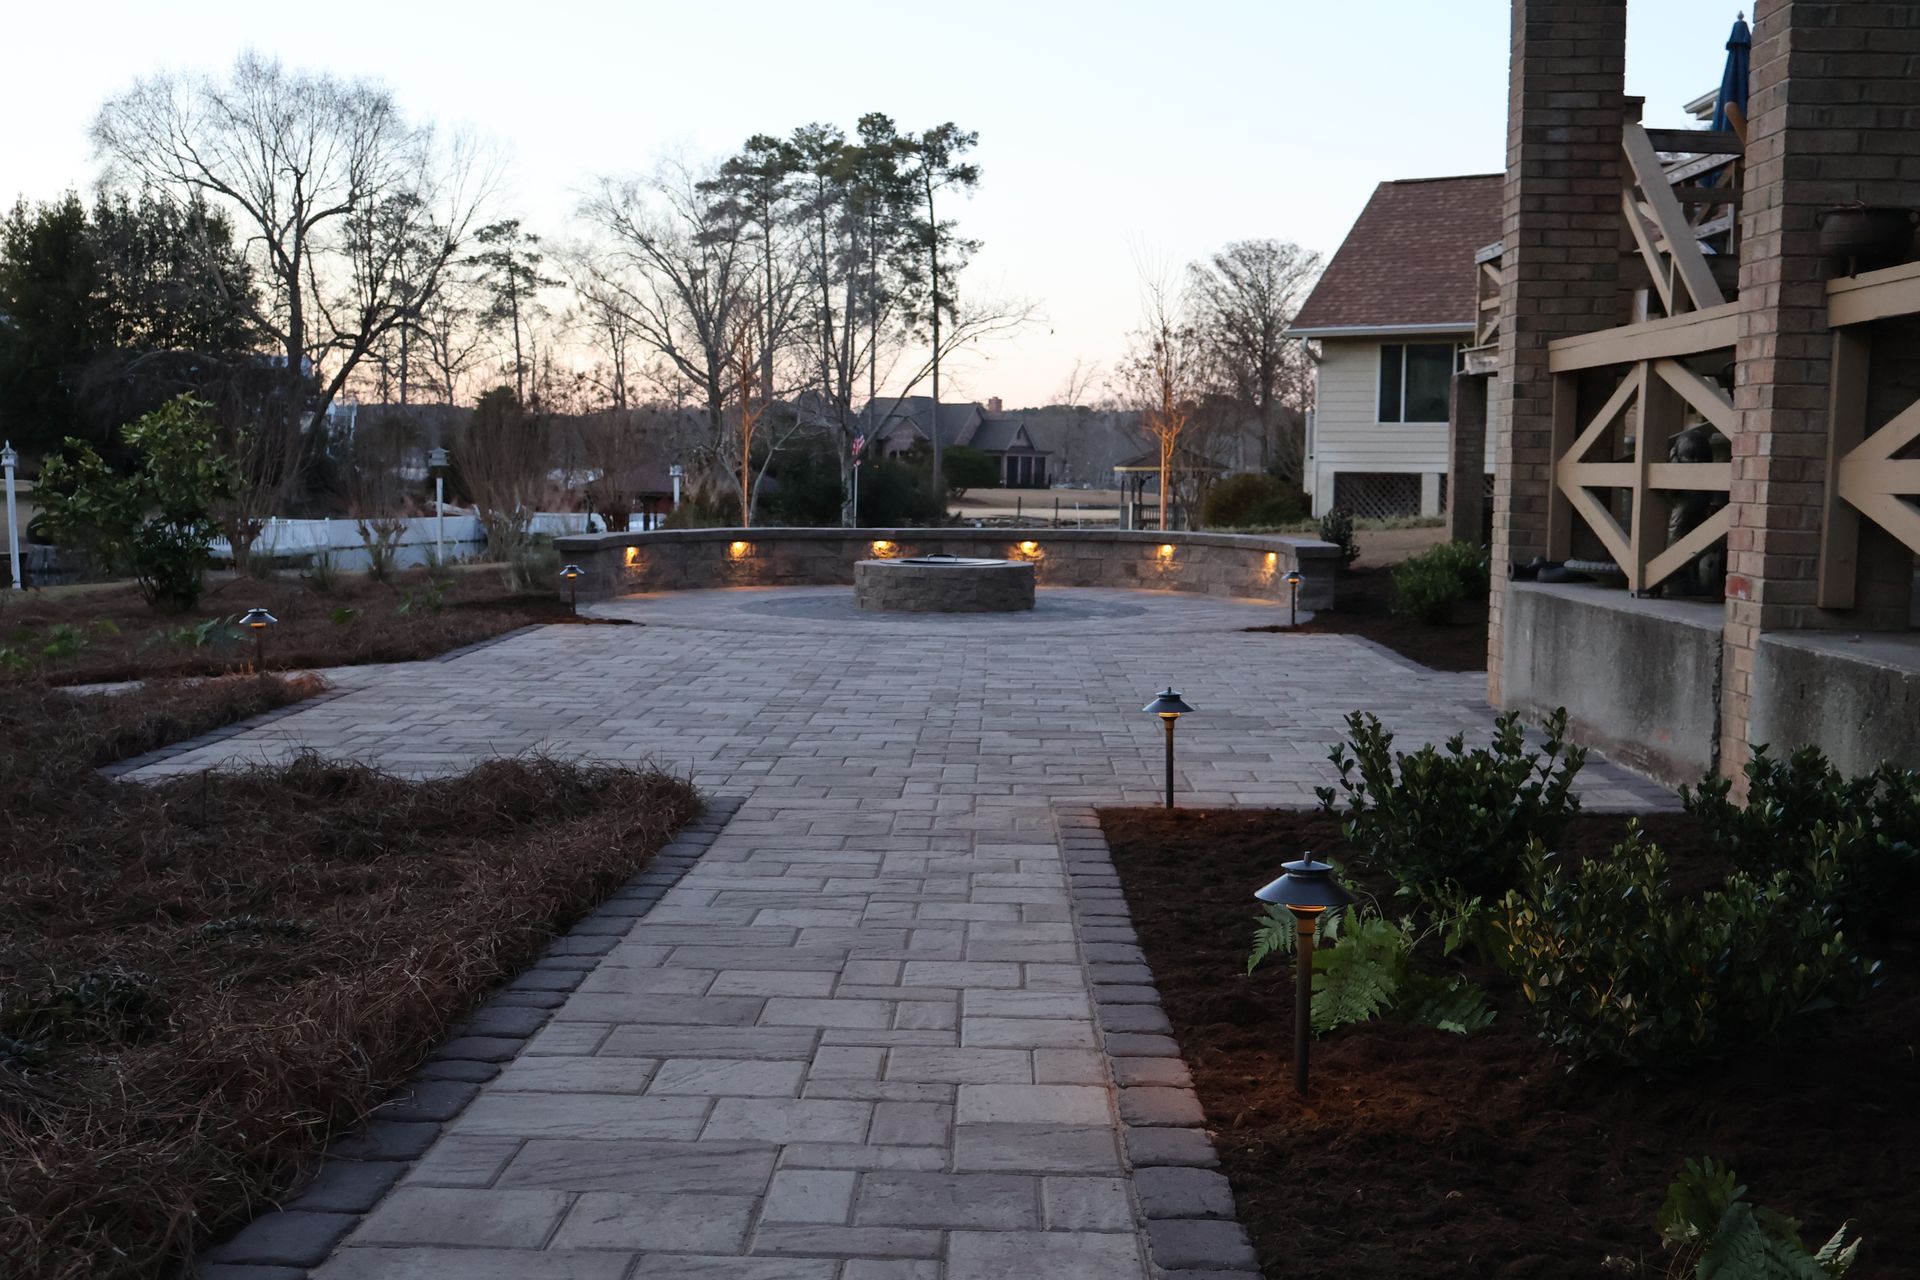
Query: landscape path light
[572, 573]
[9, 459]
[1169, 707]
[437, 463]
[257, 621]
[1293, 597]
[1307, 889]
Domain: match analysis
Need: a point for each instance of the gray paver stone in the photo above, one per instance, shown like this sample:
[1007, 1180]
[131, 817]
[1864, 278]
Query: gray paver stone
[290, 1238]
[1184, 1243]
[1176, 1192]
[1170, 1146]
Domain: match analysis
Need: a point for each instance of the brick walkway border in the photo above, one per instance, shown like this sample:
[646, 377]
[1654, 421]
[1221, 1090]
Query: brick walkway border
[1185, 1202]
[362, 1166]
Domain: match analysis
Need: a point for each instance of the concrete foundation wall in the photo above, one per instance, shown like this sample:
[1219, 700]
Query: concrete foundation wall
[1639, 678]
[1855, 698]
[692, 559]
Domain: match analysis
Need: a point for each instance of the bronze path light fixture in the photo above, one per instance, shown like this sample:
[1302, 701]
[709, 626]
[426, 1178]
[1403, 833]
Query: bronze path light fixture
[1169, 708]
[1307, 889]
[257, 621]
[1293, 597]
[572, 574]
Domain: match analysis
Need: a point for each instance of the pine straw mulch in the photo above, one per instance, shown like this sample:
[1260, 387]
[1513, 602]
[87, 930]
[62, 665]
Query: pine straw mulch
[1420, 1153]
[353, 620]
[202, 980]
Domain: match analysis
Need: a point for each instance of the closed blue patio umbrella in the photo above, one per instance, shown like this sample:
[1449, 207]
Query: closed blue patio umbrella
[1730, 106]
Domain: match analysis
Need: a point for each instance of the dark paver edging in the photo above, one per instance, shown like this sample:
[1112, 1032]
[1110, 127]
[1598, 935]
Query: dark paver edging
[224, 732]
[1182, 1197]
[362, 1166]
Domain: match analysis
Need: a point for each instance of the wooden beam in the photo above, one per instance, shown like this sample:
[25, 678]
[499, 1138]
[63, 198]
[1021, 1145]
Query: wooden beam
[1874, 295]
[1662, 412]
[1713, 404]
[1683, 335]
[1707, 477]
[1623, 395]
[1839, 567]
[1696, 142]
[1649, 251]
[1688, 261]
[1566, 421]
[1675, 557]
[1605, 527]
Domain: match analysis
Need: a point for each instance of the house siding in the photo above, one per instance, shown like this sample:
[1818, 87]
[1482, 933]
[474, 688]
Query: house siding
[1348, 435]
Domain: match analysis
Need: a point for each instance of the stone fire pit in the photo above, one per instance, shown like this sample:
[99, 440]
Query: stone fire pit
[943, 584]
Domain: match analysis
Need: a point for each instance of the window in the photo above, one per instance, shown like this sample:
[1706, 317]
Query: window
[1416, 381]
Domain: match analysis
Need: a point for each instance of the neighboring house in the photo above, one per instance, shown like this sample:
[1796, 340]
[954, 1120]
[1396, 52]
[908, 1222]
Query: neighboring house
[895, 424]
[1392, 314]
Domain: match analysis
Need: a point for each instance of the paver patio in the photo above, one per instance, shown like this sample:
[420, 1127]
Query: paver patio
[856, 1040]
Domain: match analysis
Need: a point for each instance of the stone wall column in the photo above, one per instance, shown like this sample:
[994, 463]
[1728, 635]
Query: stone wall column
[1467, 459]
[1561, 263]
[1834, 118]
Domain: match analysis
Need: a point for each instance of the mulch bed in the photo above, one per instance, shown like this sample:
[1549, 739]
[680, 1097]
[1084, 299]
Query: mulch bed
[202, 981]
[354, 620]
[1421, 1153]
[1365, 594]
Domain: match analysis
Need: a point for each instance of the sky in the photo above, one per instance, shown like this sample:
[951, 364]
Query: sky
[1111, 134]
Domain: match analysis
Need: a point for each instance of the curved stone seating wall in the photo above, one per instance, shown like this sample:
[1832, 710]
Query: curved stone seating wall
[1220, 564]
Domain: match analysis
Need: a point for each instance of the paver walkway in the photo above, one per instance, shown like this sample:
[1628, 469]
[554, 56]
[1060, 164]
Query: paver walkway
[855, 1041]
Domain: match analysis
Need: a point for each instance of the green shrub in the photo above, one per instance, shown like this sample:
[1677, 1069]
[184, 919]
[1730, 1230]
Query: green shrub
[1252, 500]
[809, 491]
[1337, 527]
[154, 523]
[1855, 839]
[1449, 822]
[1717, 1235]
[893, 494]
[1432, 585]
[963, 468]
[1617, 968]
[534, 567]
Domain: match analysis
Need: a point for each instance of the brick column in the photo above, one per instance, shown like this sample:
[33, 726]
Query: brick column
[1834, 114]
[1561, 264]
[1467, 459]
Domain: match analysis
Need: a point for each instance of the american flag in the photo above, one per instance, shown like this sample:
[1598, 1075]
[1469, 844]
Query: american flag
[859, 445]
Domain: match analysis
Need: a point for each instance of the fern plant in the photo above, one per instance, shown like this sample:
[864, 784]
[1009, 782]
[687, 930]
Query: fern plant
[1718, 1235]
[1362, 968]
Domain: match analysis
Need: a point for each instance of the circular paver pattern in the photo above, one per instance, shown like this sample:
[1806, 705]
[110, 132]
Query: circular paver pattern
[1056, 610]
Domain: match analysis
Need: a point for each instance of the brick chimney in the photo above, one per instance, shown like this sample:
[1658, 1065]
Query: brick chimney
[993, 406]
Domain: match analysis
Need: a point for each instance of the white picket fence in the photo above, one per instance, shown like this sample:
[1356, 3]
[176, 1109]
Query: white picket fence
[463, 531]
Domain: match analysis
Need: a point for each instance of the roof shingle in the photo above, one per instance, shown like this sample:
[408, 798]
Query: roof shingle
[1409, 258]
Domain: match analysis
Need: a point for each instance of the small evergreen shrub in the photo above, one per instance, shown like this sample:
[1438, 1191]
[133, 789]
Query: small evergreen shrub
[1452, 822]
[1432, 585]
[1618, 969]
[1252, 500]
[1855, 839]
[1337, 527]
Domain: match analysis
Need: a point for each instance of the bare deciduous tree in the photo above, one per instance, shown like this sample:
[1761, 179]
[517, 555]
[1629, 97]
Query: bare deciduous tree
[1243, 299]
[353, 213]
[1161, 374]
[678, 266]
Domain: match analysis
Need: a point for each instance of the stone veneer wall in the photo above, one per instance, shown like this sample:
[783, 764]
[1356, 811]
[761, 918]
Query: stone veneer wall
[1239, 565]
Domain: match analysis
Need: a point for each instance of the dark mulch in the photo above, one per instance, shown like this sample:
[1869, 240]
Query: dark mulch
[1426, 1154]
[1365, 594]
[354, 620]
[284, 946]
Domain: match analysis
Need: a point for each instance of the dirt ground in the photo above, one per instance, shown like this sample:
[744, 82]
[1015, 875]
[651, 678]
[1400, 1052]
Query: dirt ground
[1420, 1153]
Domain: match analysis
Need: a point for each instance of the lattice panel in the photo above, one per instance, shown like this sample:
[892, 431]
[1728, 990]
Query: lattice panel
[1373, 495]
